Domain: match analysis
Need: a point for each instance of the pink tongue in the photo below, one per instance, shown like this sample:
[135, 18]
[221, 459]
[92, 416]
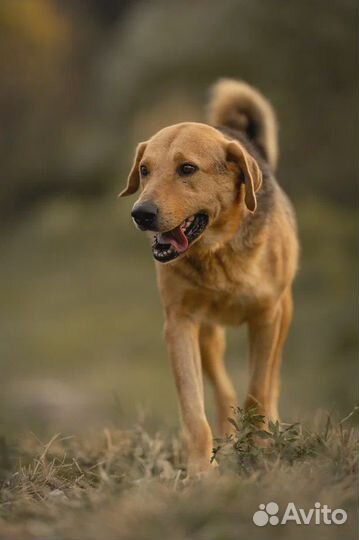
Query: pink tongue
[176, 238]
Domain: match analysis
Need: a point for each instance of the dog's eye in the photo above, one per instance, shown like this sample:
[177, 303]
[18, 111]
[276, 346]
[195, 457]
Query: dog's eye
[186, 169]
[144, 171]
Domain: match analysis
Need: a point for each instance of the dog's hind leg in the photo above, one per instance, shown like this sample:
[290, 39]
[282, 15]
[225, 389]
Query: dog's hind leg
[274, 385]
[212, 345]
[264, 331]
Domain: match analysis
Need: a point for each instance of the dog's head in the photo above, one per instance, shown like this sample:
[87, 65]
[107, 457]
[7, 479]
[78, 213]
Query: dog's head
[196, 184]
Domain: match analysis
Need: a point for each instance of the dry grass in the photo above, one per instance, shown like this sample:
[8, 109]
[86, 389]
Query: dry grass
[118, 485]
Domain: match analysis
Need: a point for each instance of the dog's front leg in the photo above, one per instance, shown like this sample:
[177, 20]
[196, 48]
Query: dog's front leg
[182, 336]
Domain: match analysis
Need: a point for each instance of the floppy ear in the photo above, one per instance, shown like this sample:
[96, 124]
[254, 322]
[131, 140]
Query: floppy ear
[133, 180]
[251, 171]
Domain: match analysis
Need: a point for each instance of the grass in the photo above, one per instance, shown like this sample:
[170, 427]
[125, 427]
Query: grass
[130, 484]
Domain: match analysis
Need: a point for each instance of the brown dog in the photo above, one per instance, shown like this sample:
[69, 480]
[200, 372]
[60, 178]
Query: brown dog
[226, 251]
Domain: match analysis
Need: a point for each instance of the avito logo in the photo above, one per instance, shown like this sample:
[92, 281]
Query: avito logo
[319, 515]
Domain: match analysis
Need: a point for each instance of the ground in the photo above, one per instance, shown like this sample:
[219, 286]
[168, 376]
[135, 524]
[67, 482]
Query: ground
[129, 484]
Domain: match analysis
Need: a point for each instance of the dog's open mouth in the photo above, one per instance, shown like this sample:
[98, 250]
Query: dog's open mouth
[169, 245]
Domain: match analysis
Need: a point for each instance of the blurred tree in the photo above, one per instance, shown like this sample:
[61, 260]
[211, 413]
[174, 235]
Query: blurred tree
[108, 11]
[34, 52]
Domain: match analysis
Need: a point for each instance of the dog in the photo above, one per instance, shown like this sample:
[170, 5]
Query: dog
[224, 240]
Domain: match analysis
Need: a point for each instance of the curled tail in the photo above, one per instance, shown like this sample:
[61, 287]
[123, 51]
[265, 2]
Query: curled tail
[237, 105]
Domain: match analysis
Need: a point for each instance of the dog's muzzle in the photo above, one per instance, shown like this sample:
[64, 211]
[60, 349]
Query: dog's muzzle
[145, 216]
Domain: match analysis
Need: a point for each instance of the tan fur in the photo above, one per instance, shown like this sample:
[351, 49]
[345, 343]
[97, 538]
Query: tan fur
[239, 271]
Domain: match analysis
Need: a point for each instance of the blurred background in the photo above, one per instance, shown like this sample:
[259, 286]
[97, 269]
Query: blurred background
[81, 83]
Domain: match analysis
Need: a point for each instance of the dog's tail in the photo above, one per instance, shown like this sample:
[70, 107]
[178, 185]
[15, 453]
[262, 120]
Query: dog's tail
[235, 104]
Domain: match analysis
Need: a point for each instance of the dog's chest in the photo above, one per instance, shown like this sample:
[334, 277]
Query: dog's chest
[222, 292]
[221, 308]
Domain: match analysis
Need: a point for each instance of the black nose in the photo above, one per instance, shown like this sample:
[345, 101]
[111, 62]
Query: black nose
[145, 215]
